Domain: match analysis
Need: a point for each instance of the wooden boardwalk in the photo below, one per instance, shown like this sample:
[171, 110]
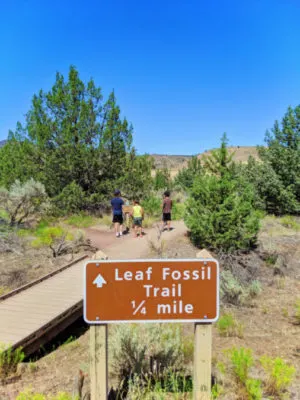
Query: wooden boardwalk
[41, 310]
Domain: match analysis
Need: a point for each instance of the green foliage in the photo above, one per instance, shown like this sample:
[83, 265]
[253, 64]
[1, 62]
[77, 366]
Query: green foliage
[271, 194]
[254, 288]
[56, 238]
[71, 137]
[279, 375]
[162, 179]
[9, 359]
[23, 201]
[137, 182]
[152, 206]
[220, 213]
[233, 292]
[48, 235]
[290, 222]
[216, 391]
[186, 176]
[178, 211]
[283, 151]
[241, 362]
[29, 394]
[70, 200]
[170, 384]
[219, 162]
[162, 348]
[16, 159]
[227, 325]
[81, 220]
[253, 388]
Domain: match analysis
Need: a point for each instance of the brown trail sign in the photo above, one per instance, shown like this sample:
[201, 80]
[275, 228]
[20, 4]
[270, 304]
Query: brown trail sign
[151, 290]
[156, 291]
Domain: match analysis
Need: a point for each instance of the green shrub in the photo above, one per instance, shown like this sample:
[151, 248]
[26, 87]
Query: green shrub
[254, 288]
[271, 194]
[227, 325]
[279, 375]
[271, 259]
[9, 359]
[220, 213]
[24, 200]
[170, 385]
[148, 222]
[106, 220]
[28, 394]
[152, 206]
[70, 200]
[49, 235]
[233, 292]
[216, 391]
[289, 222]
[81, 220]
[241, 362]
[178, 210]
[253, 388]
[161, 349]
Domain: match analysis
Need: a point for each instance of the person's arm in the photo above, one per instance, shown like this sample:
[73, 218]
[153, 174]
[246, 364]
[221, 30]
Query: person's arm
[143, 213]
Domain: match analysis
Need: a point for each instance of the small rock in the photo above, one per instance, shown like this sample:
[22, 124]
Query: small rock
[99, 255]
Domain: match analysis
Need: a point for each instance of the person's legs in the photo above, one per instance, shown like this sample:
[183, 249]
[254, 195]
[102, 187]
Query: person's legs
[117, 228]
[135, 230]
[164, 222]
[169, 225]
[120, 225]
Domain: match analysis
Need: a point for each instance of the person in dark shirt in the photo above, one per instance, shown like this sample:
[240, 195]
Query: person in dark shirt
[166, 210]
[117, 212]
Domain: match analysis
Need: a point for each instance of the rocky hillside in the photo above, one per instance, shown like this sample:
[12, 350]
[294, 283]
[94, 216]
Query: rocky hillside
[241, 153]
[177, 162]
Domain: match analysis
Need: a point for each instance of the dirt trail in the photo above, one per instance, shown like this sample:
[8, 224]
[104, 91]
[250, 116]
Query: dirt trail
[128, 247]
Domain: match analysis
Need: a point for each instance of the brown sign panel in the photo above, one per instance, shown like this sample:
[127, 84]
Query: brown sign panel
[151, 290]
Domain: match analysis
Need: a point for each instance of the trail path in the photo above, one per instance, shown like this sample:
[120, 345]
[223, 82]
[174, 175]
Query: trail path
[128, 247]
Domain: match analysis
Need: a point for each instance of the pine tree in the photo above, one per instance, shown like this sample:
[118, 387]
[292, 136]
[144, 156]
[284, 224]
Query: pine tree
[70, 137]
[283, 151]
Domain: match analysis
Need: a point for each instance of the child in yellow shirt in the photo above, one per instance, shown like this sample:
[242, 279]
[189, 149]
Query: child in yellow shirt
[138, 215]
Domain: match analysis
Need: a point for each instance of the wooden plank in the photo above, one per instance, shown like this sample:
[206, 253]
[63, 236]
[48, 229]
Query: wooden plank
[202, 361]
[202, 354]
[98, 362]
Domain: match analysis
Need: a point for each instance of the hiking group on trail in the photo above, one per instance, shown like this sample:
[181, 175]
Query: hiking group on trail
[121, 209]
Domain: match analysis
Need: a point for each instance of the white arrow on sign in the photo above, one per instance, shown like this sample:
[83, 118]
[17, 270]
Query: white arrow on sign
[99, 281]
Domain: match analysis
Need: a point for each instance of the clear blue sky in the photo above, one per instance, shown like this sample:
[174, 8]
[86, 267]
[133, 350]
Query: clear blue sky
[184, 72]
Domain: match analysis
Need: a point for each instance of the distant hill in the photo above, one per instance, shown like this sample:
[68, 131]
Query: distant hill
[176, 162]
[241, 153]
[170, 161]
[2, 143]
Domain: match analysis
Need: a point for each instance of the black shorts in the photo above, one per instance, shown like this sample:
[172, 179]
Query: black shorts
[166, 217]
[138, 221]
[118, 219]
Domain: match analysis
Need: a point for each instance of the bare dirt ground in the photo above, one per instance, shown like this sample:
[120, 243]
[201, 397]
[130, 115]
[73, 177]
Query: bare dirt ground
[268, 323]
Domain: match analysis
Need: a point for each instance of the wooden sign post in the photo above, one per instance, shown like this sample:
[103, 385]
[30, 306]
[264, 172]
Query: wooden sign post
[153, 291]
[202, 354]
